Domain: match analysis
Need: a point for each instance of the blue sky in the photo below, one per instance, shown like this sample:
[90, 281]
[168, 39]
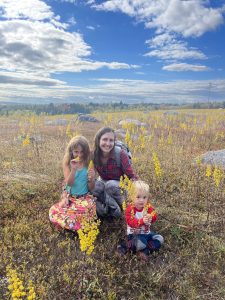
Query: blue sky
[106, 51]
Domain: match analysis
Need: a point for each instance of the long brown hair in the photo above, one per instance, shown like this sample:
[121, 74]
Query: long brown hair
[97, 153]
[76, 141]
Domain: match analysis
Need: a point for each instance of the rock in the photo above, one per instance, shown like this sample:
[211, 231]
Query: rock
[120, 132]
[131, 121]
[214, 158]
[86, 118]
[170, 113]
[57, 122]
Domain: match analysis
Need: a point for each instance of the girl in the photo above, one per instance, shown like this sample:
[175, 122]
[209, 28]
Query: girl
[107, 190]
[75, 201]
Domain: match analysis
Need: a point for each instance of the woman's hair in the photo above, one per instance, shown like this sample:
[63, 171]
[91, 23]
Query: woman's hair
[140, 185]
[76, 141]
[97, 153]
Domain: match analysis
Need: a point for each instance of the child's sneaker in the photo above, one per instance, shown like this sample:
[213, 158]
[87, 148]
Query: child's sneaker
[121, 250]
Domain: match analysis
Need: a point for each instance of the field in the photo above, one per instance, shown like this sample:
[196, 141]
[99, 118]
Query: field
[188, 196]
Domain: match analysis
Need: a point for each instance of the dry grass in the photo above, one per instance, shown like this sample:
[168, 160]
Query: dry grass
[191, 211]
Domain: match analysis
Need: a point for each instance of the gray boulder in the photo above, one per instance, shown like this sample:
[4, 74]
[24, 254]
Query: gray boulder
[86, 118]
[132, 121]
[57, 122]
[170, 113]
[214, 158]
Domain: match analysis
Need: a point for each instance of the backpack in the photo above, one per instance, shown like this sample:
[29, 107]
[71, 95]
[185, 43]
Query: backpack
[121, 146]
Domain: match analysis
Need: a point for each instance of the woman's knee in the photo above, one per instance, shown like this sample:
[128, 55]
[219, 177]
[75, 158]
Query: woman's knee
[112, 188]
[99, 188]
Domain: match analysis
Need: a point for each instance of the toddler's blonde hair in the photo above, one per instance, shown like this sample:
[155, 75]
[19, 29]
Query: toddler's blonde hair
[141, 185]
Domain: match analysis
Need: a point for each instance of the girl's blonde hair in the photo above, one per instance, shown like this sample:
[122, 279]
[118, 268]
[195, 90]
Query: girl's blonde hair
[76, 141]
[141, 185]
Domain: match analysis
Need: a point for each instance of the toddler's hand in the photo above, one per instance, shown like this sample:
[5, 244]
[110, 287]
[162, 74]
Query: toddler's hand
[147, 219]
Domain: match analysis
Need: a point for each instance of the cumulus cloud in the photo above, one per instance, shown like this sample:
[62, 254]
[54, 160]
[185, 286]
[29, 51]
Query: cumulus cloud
[188, 18]
[166, 46]
[172, 20]
[32, 39]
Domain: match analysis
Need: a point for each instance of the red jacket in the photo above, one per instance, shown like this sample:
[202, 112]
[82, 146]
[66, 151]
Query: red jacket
[134, 218]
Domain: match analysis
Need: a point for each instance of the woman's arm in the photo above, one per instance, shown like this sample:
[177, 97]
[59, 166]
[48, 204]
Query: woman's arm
[126, 166]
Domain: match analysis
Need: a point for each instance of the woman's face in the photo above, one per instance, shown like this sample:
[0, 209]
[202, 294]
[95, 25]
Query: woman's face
[106, 142]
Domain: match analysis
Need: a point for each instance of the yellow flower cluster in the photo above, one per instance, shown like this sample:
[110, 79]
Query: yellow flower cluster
[208, 171]
[128, 189]
[68, 131]
[128, 139]
[26, 141]
[198, 161]
[217, 176]
[87, 235]
[157, 166]
[31, 295]
[16, 288]
[91, 165]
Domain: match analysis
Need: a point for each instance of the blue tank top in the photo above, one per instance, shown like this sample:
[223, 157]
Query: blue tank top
[80, 186]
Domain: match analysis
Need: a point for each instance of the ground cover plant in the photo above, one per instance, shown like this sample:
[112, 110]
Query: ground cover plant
[39, 262]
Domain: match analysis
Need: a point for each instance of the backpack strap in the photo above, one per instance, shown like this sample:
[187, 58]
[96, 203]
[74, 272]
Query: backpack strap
[117, 154]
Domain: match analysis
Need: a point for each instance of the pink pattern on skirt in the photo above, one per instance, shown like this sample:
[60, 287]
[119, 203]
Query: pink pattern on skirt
[71, 215]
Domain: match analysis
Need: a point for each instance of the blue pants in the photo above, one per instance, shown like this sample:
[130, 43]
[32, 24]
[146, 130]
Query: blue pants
[144, 242]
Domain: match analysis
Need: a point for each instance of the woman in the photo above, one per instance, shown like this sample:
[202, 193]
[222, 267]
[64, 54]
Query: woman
[107, 190]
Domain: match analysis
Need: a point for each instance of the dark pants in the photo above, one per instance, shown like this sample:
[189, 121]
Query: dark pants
[109, 198]
[144, 242]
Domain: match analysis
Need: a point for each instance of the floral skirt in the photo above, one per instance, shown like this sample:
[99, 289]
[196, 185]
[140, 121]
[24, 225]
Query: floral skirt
[70, 216]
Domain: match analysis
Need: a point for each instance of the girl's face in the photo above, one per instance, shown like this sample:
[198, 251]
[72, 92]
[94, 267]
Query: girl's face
[78, 152]
[106, 142]
[140, 199]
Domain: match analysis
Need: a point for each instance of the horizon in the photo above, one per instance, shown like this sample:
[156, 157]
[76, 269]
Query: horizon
[72, 51]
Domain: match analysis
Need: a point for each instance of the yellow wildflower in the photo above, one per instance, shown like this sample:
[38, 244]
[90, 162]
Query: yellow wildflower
[208, 171]
[157, 166]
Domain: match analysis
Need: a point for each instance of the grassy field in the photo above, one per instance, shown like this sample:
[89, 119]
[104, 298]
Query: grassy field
[188, 196]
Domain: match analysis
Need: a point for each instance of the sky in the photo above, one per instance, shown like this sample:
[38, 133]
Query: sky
[134, 51]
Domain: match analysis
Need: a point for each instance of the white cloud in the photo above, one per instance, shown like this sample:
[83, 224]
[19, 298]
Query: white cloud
[169, 48]
[35, 10]
[179, 67]
[72, 21]
[90, 27]
[171, 20]
[33, 40]
[106, 89]
[188, 18]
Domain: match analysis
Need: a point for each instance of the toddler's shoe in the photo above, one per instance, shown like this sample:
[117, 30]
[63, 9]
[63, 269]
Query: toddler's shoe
[142, 256]
[121, 250]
